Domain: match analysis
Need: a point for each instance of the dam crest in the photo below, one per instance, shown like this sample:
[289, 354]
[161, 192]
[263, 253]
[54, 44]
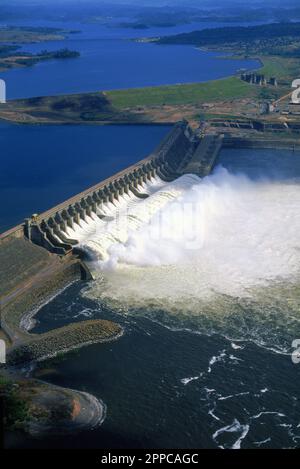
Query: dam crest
[77, 225]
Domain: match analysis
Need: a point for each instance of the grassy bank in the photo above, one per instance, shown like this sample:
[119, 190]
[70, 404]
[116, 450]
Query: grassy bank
[34, 293]
[282, 68]
[228, 88]
[160, 104]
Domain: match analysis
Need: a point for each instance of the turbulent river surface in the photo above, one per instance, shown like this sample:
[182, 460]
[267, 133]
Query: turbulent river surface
[209, 300]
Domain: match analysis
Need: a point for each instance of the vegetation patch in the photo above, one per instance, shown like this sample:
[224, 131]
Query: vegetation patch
[16, 410]
[229, 88]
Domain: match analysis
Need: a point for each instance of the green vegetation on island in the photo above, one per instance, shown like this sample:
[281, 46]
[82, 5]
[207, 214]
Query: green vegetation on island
[11, 38]
[15, 58]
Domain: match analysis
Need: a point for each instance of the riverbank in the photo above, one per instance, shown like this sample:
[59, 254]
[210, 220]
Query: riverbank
[39, 347]
[39, 285]
[34, 407]
[162, 104]
[228, 98]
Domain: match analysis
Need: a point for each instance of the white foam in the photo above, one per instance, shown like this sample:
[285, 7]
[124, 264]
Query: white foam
[109, 245]
[222, 252]
[260, 443]
[186, 381]
[236, 347]
[235, 427]
[216, 359]
[260, 414]
[224, 234]
[225, 398]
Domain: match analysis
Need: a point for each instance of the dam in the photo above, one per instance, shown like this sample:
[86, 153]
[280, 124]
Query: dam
[61, 229]
[49, 250]
[195, 318]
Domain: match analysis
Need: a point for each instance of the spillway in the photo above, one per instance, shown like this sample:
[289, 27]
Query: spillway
[96, 235]
[106, 213]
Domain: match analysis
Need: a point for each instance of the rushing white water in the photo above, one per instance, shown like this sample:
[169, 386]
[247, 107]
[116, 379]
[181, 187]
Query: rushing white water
[126, 216]
[223, 251]
[224, 233]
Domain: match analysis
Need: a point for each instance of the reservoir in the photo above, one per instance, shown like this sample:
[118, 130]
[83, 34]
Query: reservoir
[205, 360]
[110, 59]
[42, 166]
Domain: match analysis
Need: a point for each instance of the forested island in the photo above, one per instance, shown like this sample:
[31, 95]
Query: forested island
[11, 39]
[11, 57]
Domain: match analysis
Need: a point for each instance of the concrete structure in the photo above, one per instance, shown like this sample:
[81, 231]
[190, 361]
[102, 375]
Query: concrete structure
[237, 141]
[38, 258]
[2, 92]
[261, 126]
[273, 81]
[204, 158]
[267, 108]
[181, 152]
[254, 78]
[258, 79]
[32, 274]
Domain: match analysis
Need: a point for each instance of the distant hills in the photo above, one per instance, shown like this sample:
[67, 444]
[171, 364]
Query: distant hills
[235, 34]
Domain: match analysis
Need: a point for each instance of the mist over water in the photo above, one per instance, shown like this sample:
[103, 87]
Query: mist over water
[222, 257]
[231, 233]
[207, 290]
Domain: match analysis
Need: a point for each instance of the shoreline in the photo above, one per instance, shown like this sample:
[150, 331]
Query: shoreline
[75, 347]
[52, 410]
[28, 322]
[78, 410]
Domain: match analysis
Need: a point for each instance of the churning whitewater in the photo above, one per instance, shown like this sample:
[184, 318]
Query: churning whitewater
[225, 233]
[217, 255]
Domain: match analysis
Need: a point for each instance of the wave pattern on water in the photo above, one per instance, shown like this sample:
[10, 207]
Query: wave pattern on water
[221, 255]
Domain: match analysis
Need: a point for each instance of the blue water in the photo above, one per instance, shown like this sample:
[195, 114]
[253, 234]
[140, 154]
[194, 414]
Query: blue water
[171, 380]
[216, 375]
[43, 165]
[110, 59]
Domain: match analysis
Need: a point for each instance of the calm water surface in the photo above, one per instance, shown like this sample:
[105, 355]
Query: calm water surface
[110, 59]
[42, 166]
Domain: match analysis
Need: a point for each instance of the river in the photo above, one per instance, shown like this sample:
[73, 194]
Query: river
[205, 360]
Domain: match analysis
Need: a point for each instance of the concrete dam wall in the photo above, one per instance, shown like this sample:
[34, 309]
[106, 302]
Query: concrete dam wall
[61, 229]
[40, 257]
